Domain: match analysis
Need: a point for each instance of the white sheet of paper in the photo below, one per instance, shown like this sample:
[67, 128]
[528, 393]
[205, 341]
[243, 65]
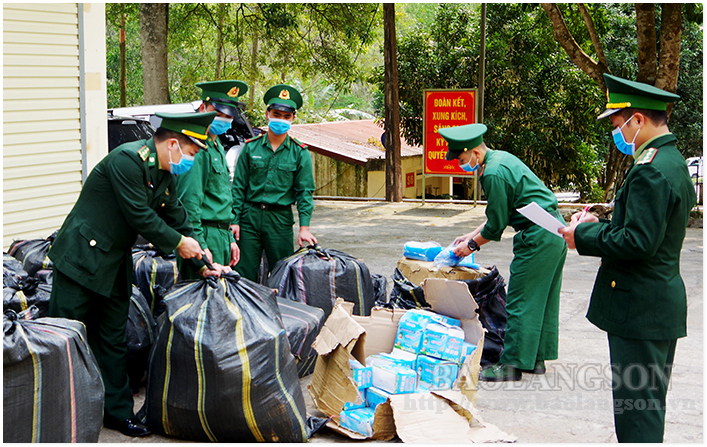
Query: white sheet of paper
[535, 213]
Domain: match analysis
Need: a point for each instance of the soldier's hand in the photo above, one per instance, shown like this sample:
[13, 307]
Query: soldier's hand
[235, 253]
[236, 230]
[208, 255]
[219, 269]
[190, 248]
[306, 236]
[568, 234]
[462, 249]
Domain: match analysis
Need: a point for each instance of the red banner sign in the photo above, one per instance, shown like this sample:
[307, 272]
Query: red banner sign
[445, 108]
[409, 179]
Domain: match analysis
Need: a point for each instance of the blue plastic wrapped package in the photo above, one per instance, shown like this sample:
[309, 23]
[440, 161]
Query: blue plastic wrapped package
[447, 258]
[421, 251]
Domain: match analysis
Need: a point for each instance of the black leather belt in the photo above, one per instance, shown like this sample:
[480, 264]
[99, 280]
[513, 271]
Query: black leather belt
[213, 223]
[269, 206]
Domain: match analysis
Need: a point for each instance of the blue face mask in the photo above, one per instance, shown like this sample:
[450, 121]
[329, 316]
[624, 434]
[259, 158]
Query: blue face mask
[184, 164]
[466, 167]
[220, 125]
[278, 126]
[621, 144]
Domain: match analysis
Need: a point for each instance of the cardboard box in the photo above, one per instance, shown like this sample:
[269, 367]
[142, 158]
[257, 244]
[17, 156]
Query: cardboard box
[418, 271]
[425, 418]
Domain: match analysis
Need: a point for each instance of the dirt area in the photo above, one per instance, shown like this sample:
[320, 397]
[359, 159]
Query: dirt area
[572, 401]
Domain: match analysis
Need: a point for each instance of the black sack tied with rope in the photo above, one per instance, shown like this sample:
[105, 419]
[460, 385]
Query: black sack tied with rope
[489, 292]
[317, 276]
[52, 387]
[32, 253]
[220, 368]
[302, 323]
[154, 274]
[140, 334]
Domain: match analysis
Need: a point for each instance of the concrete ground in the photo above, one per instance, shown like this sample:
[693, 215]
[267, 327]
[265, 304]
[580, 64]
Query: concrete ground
[572, 402]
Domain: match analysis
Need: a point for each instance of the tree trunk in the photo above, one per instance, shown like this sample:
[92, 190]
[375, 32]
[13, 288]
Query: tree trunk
[153, 37]
[221, 8]
[123, 77]
[393, 165]
[670, 35]
[645, 34]
[253, 69]
[593, 69]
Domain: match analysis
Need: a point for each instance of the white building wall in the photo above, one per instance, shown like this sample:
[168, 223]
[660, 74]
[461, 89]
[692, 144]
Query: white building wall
[42, 151]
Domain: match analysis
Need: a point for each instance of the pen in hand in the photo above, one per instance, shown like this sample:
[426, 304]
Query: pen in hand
[584, 213]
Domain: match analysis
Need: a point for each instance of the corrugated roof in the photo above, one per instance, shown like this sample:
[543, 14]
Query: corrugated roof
[354, 142]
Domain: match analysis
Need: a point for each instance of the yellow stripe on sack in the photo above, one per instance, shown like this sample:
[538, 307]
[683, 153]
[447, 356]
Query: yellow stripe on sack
[288, 396]
[23, 299]
[359, 290]
[36, 386]
[245, 361]
[153, 280]
[165, 389]
[199, 360]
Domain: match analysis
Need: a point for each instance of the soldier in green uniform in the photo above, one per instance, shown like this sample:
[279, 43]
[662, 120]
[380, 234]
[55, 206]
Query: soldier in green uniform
[273, 172]
[205, 190]
[130, 192]
[639, 297]
[533, 298]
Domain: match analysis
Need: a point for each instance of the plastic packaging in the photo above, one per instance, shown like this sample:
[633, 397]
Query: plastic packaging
[447, 258]
[421, 251]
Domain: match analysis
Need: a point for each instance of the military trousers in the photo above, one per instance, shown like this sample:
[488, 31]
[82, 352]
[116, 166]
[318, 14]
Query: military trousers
[264, 229]
[218, 241]
[640, 376]
[105, 318]
[533, 299]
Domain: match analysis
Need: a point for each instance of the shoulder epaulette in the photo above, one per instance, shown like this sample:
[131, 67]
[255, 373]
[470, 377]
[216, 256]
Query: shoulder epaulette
[144, 152]
[254, 138]
[300, 144]
[647, 156]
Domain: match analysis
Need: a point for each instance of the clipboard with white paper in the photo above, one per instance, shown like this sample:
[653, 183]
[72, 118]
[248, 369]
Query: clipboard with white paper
[538, 215]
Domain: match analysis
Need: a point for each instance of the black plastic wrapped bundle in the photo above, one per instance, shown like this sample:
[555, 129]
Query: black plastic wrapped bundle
[221, 369]
[52, 387]
[32, 253]
[317, 276]
[302, 323]
[26, 292]
[140, 334]
[153, 273]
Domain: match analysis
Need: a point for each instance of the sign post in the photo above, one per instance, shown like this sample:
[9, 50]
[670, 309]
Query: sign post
[445, 108]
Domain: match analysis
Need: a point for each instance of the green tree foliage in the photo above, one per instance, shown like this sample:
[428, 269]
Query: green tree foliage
[538, 104]
[134, 61]
[322, 49]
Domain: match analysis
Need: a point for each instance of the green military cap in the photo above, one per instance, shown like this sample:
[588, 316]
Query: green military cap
[283, 97]
[193, 125]
[462, 138]
[223, 94]
[624, 94]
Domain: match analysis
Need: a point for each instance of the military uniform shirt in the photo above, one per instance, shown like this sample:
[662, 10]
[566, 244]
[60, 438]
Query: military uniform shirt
[282, 177]
[205, 190]
[638, 292]
[509, 184]
[125, 194]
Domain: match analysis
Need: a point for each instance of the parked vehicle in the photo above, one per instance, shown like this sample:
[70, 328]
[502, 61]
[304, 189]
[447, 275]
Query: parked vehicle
[694, 166]
[124, 129]
[135, 119]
